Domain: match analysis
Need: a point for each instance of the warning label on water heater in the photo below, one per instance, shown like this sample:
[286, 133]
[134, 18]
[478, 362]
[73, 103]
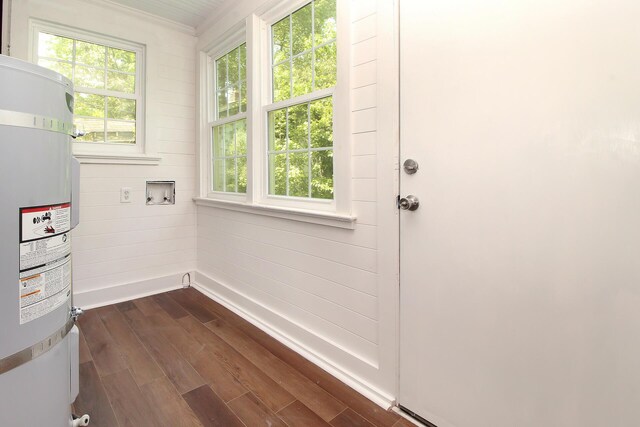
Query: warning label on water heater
[45, 259]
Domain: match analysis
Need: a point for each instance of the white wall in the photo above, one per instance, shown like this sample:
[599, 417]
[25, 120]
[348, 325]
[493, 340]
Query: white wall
[143, 248]
[329, 292]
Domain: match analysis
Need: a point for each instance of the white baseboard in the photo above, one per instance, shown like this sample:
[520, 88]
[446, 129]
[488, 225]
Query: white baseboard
[216, 291]
[127, 291]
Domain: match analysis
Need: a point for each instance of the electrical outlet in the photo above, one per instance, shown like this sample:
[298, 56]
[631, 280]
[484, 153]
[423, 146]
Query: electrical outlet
[125, 195]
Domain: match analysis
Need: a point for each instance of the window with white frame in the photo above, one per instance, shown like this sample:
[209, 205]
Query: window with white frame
[107, 78]
[300, 118]
[229, 125]
[272, 135]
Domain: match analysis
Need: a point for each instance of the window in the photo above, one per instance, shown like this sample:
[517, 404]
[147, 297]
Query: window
[107, 75]
[229, 128]
[300, 118]
[278, 129]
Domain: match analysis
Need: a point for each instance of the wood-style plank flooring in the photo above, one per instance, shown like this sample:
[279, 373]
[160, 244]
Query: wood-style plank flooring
[181, 359]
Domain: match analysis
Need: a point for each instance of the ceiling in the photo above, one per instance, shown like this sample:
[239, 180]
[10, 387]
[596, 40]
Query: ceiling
[187, 12]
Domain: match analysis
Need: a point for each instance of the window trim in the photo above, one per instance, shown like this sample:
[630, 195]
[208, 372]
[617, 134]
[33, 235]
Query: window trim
[110, 153]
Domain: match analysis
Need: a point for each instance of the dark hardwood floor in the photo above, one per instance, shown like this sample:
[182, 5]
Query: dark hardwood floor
[180, 359]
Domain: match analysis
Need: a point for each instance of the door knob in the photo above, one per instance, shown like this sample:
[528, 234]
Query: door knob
[409, 203]
[410, 166]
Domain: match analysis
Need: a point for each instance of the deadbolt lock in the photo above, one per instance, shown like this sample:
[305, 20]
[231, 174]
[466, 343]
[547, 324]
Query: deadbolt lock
[409, 203]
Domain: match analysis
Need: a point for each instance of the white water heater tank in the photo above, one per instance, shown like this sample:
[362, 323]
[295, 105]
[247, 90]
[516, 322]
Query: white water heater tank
[38, 339]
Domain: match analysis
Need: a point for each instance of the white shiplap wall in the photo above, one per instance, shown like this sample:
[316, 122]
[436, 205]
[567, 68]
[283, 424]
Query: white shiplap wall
[327, 292]
[124, 250]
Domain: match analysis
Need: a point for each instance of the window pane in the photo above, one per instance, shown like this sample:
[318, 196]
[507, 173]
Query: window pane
[298, 127]
[121, 108]
[121, 132]
[232, 60]
[278, 174]
[277, 130]
[89, 77]
[223, 106]
[325, 66]
[218, 175]
[230, 174]
[221, 72]
[242, 174]
[59, 67]
[299, 174]
[325, 20]
[89, 105]
[233, 97]
[322, 174]
[302, 74]
[218, 142]
[281, 82]
[51, 46]
[229, 140]
[243, 62]
[322, 123]
[90, 54]
[241, 137]
[301, 35]
[280, 44]
[243, 97]
[93, 129]
[121, 82]
[121, 60]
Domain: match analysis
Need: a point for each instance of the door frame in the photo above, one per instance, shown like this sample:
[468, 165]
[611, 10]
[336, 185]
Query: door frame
[387, 187]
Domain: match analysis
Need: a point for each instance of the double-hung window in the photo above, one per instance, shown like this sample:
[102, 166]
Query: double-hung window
[273, 135]
[229, 125]
[108, 83]
[300, 115]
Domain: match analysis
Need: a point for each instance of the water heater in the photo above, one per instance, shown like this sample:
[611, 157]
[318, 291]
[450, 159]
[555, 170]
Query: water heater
[38, 201]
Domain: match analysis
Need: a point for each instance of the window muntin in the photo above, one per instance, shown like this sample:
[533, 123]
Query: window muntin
[105, 82]
[300, 134]
[229, 127]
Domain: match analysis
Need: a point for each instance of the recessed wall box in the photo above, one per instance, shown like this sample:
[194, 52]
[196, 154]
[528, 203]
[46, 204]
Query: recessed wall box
[161, 192]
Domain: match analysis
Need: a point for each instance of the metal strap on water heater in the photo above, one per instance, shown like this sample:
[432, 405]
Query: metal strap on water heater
[38, 349]
[33, 121]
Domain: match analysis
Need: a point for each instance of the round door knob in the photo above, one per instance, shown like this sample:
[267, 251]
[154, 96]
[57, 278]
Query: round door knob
[410, 166]
[409, 203]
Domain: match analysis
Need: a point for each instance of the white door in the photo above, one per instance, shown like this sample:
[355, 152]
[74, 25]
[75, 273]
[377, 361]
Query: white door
[520, 271]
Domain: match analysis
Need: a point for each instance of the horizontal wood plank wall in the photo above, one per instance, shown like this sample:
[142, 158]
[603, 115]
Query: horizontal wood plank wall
[117, 243]
[314, 284]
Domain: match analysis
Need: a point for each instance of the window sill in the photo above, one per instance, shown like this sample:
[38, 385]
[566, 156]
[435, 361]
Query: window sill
[314, 217]
[117, 159]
